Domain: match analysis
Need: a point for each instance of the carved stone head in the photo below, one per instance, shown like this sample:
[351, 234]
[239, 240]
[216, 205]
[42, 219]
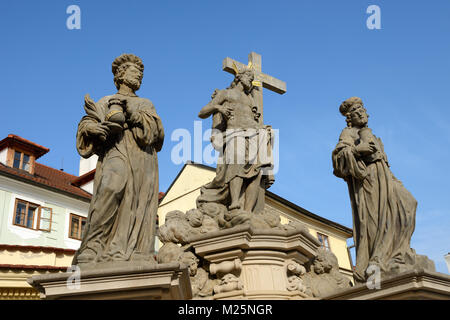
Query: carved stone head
[246, 77]
[354, 111]
[128, 69]
[324, 261]
[195, 218]
[189, 259]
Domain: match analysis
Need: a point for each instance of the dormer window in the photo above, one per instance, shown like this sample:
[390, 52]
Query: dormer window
[22, 161]
[19, 153]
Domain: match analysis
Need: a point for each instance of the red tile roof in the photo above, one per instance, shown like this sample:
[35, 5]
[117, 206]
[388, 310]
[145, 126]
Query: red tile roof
[83, 179]
[48, 177]
[14, 140]
[45, 176]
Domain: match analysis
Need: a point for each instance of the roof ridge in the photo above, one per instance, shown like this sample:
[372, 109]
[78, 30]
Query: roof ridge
[47, 178]
[57, 170]
[12, 135]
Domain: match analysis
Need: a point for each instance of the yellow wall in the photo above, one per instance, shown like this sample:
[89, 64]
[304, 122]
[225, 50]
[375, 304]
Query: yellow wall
[13, 282]
[13, 285]
[35, 258]
[337, 240]
[185, 190]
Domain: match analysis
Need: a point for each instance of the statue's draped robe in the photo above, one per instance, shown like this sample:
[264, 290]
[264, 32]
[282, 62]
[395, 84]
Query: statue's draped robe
[121, 224]
[383, 210]
[246, 162]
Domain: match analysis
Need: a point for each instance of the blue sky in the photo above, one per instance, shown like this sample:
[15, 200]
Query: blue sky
[322, 49]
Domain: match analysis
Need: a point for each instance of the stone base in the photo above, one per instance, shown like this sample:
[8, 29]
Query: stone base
[254, 264]
[412, 285]
[155, 281]
[262, 295]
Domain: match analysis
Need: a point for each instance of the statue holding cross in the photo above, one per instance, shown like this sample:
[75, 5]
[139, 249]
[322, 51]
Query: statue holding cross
[244, 144]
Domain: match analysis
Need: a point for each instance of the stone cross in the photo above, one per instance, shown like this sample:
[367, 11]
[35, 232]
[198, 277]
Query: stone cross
[268, 82]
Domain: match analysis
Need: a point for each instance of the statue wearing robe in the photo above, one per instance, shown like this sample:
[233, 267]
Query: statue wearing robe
[121, 223]
[383, 209]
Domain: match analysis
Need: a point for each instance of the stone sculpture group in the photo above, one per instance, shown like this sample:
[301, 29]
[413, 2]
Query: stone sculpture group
[126, 133]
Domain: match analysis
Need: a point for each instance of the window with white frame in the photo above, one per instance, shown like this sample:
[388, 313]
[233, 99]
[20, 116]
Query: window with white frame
[32, 216]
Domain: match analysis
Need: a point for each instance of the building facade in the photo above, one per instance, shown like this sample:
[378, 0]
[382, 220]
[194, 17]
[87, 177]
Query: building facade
[42, 215]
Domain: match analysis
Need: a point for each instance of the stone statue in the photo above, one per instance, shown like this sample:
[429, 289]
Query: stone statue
[179, 226]
[383, 209]
[201, 283]
[295, 273]
[126, 133]
[244, 146]
[324, 277]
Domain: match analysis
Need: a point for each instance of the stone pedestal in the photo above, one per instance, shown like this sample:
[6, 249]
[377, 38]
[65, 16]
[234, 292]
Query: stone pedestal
[256, 264]
[412, 285]
[158, 281]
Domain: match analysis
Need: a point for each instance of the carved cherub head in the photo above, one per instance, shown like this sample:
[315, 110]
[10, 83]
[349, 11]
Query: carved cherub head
[128, 69]
[229, 278]
[324, 261]
[194, 217]
[176, 228]
[189, 259]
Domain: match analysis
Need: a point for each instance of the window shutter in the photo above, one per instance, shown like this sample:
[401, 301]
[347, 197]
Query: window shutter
[45, 219]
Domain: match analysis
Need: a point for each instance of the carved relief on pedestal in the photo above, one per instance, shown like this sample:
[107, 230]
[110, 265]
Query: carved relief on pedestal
[229, 282]
[295, 272]
[228, 272]
[323, 276]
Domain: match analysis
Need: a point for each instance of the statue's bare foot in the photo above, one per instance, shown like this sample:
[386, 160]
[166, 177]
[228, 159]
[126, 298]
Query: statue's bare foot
[234, 206]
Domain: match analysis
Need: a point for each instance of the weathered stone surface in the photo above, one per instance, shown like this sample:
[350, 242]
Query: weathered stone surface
[201, 283]
[162, 281]
[126, 134]
[383, 209]
[267, 264]
[323, 277]
[247, 237]
[244, 144]
[416, 284]
[239, 175]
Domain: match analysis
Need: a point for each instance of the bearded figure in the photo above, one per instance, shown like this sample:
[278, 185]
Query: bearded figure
[245, 153]
[126, 134]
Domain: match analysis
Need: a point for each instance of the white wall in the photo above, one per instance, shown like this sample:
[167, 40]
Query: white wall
[87, 165]
[89, 187]
[62, 206]
[447, 259]
[3, 156]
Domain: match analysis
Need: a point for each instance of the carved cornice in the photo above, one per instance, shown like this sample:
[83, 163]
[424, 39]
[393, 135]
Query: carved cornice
[19, 294]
